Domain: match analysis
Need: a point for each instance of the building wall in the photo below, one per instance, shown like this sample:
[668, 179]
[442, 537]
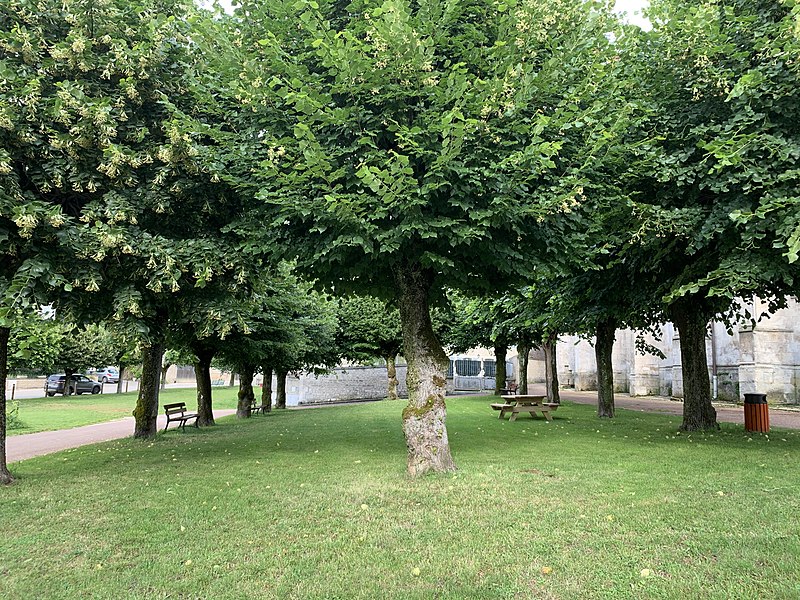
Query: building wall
[763, 359]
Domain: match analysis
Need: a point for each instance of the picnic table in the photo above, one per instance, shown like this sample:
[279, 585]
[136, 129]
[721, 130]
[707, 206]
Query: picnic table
[518, 403]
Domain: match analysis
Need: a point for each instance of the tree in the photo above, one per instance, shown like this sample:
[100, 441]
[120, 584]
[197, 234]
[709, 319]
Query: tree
[403, 149]
[368, 329]
[34, 343]
[100, 183]
[720, 175]
[82, 348]
[287, 327]
[481, 322]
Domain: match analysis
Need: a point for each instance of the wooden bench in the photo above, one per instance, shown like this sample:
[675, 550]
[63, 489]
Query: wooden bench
[177, 412]
[255, 407]
[501, 407]
[511, 388]
[531, 404]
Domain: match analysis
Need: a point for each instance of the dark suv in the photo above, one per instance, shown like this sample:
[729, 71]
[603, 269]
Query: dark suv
[79, 384]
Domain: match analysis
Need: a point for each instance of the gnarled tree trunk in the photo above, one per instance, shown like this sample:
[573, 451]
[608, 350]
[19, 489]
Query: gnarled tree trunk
[698, 413]
[266, 389]
[280, 388]
[603, 347]
[146, 411]
[523, 352]
[5, 474]
[391, 374]
[246, 396]
[551, 370]
[202, 377]
[500, 353]
[424, 418]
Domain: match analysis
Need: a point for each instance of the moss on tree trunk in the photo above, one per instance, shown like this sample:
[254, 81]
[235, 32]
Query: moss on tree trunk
[424, 418]
[202, 376]
[692, 322]
[5, 474]
[246, 396]
[391, 375]
[603, 348]
[280, 388]
[266, 389]
[551, 370]
[146, 411]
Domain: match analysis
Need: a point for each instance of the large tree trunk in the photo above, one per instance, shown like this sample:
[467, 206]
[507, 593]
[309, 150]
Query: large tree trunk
[280, 388]
[523, 352]
[246, 395]
[500, 353]
[5, 474]
[698, 413]
[146, 411]
[551, 370]
[603, 347]
[266, 389]
[202, 377]
[391, 374]
[424, 418]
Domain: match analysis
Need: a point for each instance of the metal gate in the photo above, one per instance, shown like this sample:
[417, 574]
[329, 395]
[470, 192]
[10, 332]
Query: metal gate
[474, 374]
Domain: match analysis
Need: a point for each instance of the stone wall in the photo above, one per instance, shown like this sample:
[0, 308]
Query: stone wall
[341, 385]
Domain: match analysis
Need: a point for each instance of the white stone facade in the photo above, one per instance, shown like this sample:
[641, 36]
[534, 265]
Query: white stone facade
[764, 359]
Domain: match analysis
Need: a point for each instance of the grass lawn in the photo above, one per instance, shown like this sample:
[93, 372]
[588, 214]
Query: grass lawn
[316, 504]
[58, 412]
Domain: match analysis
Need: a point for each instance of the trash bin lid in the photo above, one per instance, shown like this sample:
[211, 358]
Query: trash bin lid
[755, 398]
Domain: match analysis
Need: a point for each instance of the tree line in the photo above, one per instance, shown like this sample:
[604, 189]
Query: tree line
[168, 168]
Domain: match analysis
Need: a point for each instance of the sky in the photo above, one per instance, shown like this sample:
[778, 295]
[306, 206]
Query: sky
[631, 7]
[628, 6]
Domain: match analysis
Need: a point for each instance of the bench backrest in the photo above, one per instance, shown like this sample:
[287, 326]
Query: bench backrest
[178, 407]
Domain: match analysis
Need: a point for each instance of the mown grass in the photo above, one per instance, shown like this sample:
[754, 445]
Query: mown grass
[59, 412]
[316, 504]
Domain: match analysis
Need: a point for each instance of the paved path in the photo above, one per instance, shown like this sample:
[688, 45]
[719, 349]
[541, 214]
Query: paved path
[726, 413]
[20, 447]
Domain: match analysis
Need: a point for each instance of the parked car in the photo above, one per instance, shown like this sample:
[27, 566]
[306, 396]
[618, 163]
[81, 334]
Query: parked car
[107, 375]
[79, 384]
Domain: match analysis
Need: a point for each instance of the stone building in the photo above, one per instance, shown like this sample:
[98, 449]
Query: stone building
[763, 359]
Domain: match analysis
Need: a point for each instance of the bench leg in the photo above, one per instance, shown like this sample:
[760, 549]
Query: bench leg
[514, 414]
[546, 415]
